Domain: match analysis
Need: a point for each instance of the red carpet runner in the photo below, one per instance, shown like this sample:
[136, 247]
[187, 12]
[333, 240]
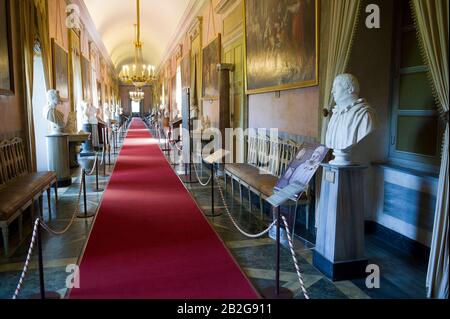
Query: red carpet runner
[150, 240]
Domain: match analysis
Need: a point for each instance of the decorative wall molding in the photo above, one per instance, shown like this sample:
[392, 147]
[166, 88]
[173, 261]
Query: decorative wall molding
[195, 28]
[92, 31]
[193, 10]
[225, 5]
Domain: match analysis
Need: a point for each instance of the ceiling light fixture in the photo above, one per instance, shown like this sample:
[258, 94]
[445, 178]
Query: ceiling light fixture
[138, 74]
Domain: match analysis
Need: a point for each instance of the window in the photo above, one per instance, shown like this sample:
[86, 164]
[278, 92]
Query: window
[416, 130]
[135, 107]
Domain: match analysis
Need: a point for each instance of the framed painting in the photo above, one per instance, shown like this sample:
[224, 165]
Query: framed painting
[86, 76]
[6, 69]
[282, 44]
[60, 70]
[186, 72]
[210, 75]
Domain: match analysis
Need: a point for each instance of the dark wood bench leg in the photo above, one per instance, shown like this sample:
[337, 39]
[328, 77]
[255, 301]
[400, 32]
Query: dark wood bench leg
[261, 206]
[5, 233]
[41, 207]
[20, 219]
[56, 190]
[49, 203]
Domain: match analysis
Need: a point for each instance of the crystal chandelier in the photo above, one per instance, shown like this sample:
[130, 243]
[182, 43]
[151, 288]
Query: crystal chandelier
[138, 74]
[137, 95]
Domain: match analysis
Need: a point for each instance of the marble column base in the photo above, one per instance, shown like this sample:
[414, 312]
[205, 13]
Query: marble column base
[88, 147]
[339, 252]
[58, 158]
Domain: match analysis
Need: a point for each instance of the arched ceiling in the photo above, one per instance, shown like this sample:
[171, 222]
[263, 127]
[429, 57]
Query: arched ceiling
[115, 19]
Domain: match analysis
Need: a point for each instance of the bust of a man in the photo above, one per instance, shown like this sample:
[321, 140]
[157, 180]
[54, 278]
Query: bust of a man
[352, 120]
[71, 125]
[89, 113]
[106, 113]
[52, 114]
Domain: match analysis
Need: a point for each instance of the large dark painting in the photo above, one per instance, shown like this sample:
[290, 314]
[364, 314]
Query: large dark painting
[60, 71]
[186, 72]
[6, 72]
[210, 75]
[281, 44]
[86, 71]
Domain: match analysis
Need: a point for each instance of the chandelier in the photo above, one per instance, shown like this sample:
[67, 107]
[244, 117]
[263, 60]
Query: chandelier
[139, 74]
[137, 95]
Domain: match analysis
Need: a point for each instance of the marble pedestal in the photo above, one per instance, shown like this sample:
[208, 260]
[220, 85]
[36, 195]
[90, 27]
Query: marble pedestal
[339, 252]
[88, 146]
[58, 158]
[74, 141]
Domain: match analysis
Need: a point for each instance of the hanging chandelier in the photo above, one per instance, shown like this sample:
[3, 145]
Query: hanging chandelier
[137, 95]
[138, 74]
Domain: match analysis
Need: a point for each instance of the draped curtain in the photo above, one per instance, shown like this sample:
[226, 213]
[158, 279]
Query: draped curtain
[44, 39]
[343, 24]
[431, 17]
[27, 31]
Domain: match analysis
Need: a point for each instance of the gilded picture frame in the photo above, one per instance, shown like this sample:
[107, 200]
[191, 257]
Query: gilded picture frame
[281, 44]
[60, 59]
[212, 54]
[86, 78]
[186, 71]
[6, 55]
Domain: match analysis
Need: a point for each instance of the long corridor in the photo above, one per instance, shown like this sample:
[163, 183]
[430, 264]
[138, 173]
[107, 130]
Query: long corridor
[150, 239]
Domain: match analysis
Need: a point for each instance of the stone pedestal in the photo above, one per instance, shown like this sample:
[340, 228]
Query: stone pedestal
[339, 252]
[58, 158]
[74, 141]
[87, 146]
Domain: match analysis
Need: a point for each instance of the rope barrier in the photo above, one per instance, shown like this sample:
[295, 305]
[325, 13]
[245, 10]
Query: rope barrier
[294, 258]
[93, 167]
[27, 261]
[199, 179]
[236, 224]
[291, 244]
[66, 229]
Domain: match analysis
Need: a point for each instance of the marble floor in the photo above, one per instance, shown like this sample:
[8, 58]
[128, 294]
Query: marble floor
[401, 276]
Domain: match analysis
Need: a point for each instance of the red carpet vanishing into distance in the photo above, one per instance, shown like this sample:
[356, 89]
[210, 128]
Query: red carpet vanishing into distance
[150, 240]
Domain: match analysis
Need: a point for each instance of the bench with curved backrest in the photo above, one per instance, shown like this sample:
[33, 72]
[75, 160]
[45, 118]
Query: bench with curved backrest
[267, 161]
[19, 188]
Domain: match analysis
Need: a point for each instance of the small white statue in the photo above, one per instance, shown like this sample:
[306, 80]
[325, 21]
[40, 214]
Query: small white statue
[71, 126]
[106, 114]
[89, 113]
[52, 114]
[352, 120]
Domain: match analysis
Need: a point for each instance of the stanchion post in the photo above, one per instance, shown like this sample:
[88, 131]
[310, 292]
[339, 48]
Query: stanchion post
[84, 192]
[96, 171]
[278, 292]
[277, 279]
[41, 263]
[212, 188]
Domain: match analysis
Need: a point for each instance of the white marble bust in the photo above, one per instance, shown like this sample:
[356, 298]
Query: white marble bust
[352, 120]
[71, 125]
[106, 114]
[52, 114]
[89, 115]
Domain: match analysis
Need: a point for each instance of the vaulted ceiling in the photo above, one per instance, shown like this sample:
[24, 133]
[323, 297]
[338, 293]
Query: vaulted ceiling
[115, 19]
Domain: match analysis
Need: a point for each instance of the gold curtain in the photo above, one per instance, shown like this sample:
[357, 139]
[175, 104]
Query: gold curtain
[44, 37]
[431, 17]
[343, 24]
[27, 31]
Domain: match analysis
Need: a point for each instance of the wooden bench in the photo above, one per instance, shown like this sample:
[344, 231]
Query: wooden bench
[267, 161]
[19, 189]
